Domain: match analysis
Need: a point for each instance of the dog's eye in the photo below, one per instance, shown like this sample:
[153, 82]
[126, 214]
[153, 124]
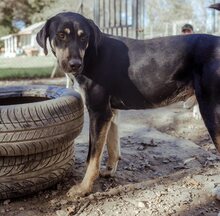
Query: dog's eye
[61, 35]
[84, 38]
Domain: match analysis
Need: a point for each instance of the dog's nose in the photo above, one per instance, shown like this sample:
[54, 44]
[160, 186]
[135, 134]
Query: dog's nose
[75, 64]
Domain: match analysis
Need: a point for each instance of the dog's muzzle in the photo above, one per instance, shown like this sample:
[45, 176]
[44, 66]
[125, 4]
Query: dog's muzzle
[75, 65]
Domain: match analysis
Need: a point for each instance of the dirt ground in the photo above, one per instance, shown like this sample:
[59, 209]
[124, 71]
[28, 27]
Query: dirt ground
[169, 166]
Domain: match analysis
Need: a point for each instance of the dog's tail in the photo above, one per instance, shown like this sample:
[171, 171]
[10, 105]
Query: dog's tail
[215, 6]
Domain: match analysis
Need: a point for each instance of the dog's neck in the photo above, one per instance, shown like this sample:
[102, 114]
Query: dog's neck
[90, 60]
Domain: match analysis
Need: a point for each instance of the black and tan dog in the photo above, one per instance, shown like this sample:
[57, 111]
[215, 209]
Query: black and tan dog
[122, 73]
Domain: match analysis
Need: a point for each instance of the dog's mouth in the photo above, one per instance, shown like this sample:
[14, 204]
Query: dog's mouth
[76, 72]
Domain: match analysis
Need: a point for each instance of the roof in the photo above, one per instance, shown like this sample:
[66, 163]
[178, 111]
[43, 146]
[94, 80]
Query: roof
[6, 37]
[28, 30]
[31, 28]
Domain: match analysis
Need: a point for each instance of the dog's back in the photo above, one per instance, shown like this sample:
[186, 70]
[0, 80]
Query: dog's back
[150, 73]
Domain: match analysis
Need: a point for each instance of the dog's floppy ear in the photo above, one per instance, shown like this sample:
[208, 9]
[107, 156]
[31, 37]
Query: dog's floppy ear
[42, 36]
[96, 33]
[215, 6]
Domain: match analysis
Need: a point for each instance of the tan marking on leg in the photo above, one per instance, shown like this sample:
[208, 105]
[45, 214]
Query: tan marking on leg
[93, 167]
[80, 32]
[196, 112]
[190, 102]
[67, 30]
[178, 95]
[217, 144]
[69, 80]
[86, 185]
[113, 146]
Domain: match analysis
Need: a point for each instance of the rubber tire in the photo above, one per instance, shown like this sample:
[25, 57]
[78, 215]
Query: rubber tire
[36, 138]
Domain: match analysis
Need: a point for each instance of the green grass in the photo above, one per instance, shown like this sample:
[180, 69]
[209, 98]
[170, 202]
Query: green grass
[25, 73]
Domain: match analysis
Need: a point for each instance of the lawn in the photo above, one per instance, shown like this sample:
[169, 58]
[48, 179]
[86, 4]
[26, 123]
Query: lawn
[24, 67]
[25, 73]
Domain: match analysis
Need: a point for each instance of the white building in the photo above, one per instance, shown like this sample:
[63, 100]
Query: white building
[22, 42]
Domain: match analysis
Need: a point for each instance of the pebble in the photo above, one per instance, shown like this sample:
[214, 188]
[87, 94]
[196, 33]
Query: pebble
[21, 208]
[141, 204]
[53, 201]
[71, 209]
[61, 213]
[46, 196]
[63, 202]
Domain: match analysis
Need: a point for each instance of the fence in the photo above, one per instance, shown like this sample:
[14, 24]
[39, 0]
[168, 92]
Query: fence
[120, 17]
[129, 18]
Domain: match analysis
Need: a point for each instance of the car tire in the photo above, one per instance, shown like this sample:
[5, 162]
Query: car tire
[38, 125]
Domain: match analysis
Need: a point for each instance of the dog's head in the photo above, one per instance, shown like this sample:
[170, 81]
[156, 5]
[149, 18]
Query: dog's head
[215, 6]
[70, 36]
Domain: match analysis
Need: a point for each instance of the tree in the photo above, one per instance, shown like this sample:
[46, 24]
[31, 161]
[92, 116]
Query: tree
[68, 5]
[168, 10]
[16, 10]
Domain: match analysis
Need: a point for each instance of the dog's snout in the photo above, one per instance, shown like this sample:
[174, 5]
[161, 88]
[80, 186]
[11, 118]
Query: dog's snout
[75, 64]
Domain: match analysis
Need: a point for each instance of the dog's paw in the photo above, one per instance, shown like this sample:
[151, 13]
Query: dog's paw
[78, 190]
[196, 112]
[106, 174]
[109, 172]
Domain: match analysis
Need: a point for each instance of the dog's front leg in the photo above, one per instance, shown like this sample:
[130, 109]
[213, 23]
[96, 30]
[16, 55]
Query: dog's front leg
[100, 121]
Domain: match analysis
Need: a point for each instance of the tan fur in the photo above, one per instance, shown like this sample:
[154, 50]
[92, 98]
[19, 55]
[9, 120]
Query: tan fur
[92, 171]
[86, 185]
[82, 53]
[182, 95]
[67, 30]
[217, 144]
[113, 146]
[80, 32]
[61, 53]
[69, 80]
[52, 44]
[190, 102]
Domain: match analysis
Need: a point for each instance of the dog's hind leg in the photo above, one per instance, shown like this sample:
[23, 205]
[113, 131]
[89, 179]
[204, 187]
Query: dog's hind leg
[113, 146]
[207, 93]
[211, 116]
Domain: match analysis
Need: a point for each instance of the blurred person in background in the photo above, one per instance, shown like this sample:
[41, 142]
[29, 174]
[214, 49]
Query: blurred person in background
[187, 29]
